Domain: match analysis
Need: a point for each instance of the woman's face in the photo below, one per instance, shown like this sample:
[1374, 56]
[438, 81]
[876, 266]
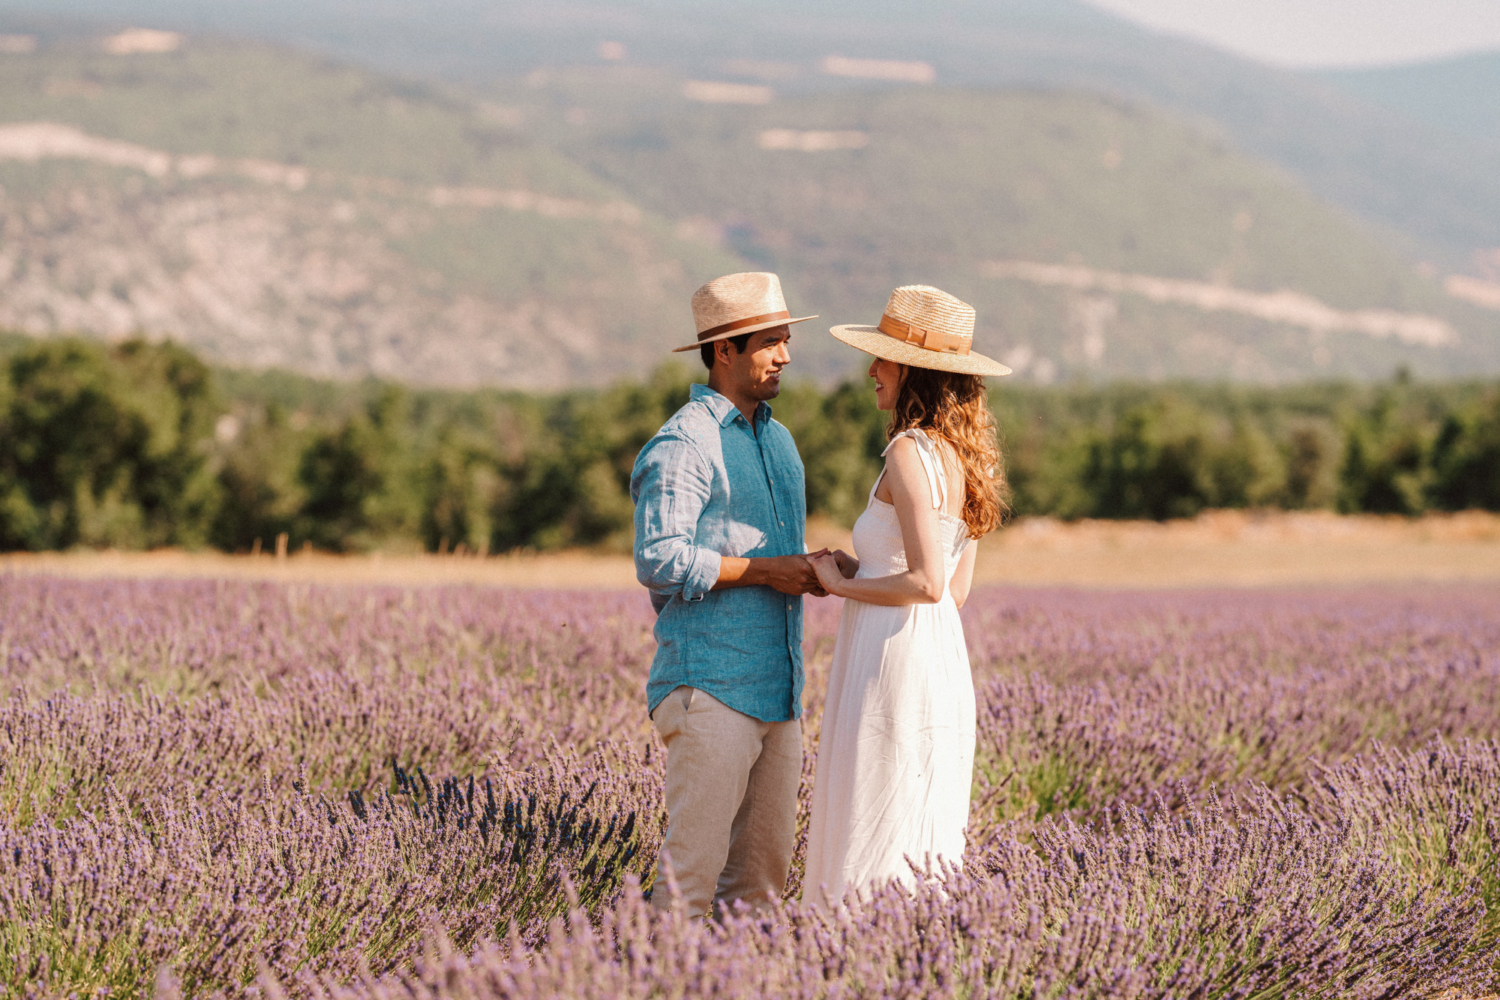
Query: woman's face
[887, 376]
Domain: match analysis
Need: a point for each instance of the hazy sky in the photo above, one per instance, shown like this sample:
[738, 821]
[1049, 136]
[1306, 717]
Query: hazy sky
[1326, 33]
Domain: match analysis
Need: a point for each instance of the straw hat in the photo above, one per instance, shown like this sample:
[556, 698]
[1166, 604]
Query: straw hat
[925, 327]
[736, 304]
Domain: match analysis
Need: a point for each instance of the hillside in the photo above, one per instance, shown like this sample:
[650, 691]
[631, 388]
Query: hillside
[271, 208]
[1439, 191]
[1459, 95]
[956, 187]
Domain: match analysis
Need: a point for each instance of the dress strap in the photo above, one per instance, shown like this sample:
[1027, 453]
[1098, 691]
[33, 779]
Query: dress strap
[932, 463]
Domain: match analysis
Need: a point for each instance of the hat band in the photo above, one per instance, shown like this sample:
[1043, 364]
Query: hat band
[740, 324]
[929, 340]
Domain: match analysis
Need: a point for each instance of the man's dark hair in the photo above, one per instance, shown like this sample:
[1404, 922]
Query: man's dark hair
[706, 352]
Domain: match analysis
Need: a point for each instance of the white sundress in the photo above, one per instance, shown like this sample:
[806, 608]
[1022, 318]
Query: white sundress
[896, 754]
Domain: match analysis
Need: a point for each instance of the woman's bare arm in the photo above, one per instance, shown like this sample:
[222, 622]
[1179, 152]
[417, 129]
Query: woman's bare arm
[963, 577]
[911, 495]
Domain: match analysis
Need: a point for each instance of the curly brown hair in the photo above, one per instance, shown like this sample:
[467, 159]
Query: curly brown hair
[953, 407]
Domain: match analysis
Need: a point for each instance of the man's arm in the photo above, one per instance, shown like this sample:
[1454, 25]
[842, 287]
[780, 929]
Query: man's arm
[670, 486]
[788, 574]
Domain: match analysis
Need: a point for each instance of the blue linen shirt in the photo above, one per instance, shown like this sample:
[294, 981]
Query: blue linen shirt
[708, 486]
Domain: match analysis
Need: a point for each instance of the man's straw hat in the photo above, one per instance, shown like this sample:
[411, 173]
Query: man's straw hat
[925, 327]
[737, 304]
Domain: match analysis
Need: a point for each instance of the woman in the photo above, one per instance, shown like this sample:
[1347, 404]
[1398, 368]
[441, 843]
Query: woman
[896, 755]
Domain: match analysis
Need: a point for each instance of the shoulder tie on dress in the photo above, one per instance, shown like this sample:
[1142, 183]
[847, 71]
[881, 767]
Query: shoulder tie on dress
[932, 463]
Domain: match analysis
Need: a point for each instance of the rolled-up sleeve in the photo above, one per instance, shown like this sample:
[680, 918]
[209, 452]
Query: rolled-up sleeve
[670, 485]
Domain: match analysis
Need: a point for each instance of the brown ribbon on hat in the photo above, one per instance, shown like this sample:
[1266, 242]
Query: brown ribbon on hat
[931, 340]
[740, 324]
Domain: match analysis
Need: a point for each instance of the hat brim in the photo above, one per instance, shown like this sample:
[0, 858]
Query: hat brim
[870, 340]
[742, 331]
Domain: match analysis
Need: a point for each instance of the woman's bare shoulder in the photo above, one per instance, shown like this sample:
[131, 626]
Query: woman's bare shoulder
[902, 453]
[903, 470]
[904, 442]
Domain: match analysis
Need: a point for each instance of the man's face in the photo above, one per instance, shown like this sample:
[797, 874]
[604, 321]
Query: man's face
[756, 371]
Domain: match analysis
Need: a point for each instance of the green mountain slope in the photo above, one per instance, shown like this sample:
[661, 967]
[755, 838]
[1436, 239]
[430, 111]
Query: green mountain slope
[247, 100]
[270, 208]
[1439, 190]
[945, 181]
[1459, 95]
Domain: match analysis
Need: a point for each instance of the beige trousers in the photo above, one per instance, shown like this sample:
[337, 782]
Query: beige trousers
[731, 802]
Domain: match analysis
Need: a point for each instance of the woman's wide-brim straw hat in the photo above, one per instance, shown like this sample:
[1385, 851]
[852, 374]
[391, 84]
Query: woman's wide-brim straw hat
[924, 327]
[737, 304]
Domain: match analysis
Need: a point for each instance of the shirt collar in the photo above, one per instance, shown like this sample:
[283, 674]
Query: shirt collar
[723, 410]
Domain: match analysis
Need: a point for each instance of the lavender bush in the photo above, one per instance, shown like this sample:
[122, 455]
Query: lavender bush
[228, 788]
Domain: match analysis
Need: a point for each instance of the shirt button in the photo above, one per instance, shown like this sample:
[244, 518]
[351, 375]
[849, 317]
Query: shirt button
[789, 607]
[782, 523]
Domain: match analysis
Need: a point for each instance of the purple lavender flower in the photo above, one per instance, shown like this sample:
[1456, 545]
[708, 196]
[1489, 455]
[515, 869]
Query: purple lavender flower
[214, 788]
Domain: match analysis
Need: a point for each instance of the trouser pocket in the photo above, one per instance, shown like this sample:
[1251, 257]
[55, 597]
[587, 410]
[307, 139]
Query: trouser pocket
[669, 713]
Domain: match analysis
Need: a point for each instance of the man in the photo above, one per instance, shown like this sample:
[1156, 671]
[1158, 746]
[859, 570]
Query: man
[719, 520]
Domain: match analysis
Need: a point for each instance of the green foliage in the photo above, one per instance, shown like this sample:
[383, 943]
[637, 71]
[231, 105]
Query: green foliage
[1154, 465]
[1466, 458]
[570, 485]
[1311, 473]
[105, 446]
[460, 489]
[1171, 451]
[133, 446]
[1169, 459]
[1385, 462]
[357, 487]
[259, 479]
[840, 436]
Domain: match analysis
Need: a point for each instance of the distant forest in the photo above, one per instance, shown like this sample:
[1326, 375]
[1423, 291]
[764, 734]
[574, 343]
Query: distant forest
[138, 445]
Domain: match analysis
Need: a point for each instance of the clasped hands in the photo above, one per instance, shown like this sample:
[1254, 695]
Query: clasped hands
[816, 573]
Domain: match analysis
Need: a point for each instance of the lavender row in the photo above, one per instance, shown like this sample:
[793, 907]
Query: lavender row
[1254, 899]
[316, 787]
[531, 894]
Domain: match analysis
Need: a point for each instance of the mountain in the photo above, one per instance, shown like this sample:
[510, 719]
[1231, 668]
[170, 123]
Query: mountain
[1436, 192]
[271, 208]
[1151, 228]
[1460, 95]
[276, 208]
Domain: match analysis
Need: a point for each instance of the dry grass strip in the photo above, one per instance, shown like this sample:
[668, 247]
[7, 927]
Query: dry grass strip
[1222, 548]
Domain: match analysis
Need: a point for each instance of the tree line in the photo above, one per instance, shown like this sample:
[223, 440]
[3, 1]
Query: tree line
[138, 445]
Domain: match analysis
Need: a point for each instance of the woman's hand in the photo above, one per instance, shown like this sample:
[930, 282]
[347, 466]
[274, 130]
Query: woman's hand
[848, 565]
[828, 570]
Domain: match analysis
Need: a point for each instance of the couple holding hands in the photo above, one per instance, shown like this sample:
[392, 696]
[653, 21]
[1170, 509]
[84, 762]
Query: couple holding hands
[720, 510]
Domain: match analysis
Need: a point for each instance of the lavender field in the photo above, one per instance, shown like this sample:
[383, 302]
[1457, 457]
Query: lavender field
[292, 790]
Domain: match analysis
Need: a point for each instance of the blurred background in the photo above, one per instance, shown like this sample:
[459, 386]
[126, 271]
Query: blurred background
[393, 274]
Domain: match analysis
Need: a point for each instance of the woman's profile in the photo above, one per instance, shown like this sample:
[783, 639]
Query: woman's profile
[896, 754]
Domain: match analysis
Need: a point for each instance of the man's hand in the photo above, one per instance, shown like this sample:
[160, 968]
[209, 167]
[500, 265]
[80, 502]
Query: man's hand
[786, 574]
[792, 575]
